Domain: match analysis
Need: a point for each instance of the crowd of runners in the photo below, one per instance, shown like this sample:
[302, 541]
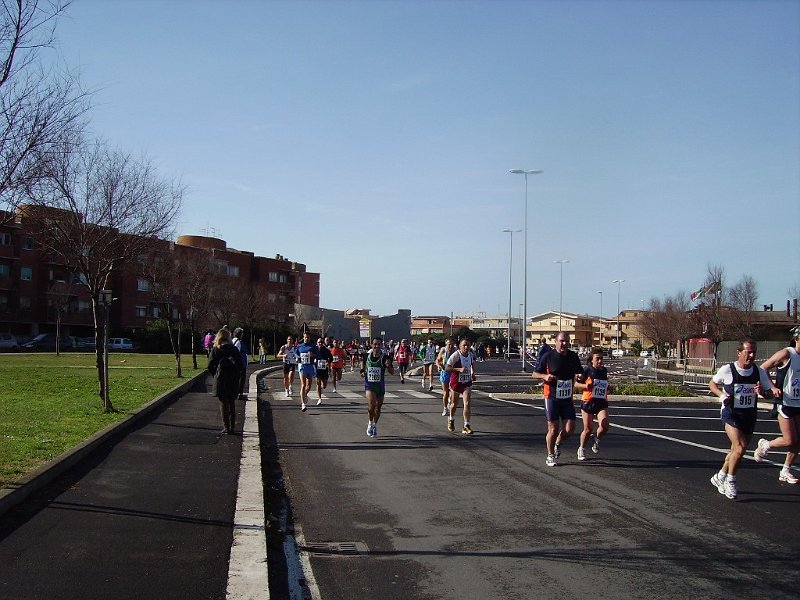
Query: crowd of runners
[737, 384]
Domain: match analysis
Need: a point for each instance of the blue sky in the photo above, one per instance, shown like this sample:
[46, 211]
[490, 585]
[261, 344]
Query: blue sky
[372, 140]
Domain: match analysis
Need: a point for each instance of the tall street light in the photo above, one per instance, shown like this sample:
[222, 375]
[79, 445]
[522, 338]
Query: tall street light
[525, 172]
[511, 233]
[561, 290]
[601, 317]
[619, 283]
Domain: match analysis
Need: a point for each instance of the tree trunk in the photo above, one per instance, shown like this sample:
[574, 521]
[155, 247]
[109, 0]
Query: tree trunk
[176, 350]
[99, 335]
[193, 334]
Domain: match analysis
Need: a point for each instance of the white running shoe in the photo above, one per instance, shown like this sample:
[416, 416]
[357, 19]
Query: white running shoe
[730, 489]
[334, 389]
[369, 429]
[287, 392]
[550, 461]
[596, 446]
[718, 483]
[788, 477]
[319, 401]
[444, 412]
[761, 450]
[581, 454]
[303, 407]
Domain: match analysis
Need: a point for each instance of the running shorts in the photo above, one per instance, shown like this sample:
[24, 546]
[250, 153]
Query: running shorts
[289, 368]
[378, 388]
[322, 374]
[559, 409]
[444, 376]
[308, 370]
[788, 412]
[594, 406]
[743, 420]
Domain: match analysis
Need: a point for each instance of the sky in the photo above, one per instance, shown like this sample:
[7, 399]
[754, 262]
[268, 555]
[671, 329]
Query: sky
[372, 141]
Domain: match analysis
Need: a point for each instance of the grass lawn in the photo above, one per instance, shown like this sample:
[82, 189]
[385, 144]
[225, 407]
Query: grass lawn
[49, 404]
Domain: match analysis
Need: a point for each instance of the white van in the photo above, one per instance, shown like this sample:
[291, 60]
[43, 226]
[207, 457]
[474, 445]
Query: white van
[120, 344]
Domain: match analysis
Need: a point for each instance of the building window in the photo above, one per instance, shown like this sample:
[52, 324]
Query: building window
[5, 270]
[84, 306]
[5, 239]
[142, 285]
[273, 276]
[141, 311]
[24, 303]
[25, 273]
[271, 298]
[3, 301]
[233, 271]
[282, 278]
[27, 242]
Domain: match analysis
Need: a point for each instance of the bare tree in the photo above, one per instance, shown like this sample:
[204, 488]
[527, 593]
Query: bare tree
[195, 276]
[742, 298]
[40, 107]
[95, 209]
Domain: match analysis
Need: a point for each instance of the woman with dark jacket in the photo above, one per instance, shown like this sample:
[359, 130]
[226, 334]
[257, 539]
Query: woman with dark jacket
[225, 364]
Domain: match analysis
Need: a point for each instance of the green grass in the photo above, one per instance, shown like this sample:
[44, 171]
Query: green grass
[631, 388]
[49, 404]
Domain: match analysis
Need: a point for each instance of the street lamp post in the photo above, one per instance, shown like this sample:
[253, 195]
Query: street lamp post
[525, 172]
[511, 233]
[619, 283]
[561, 290]
[601, 317]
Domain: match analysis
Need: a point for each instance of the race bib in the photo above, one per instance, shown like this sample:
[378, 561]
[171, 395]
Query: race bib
[322, 363]
[401, 356]
[744, 395]
[600, 389]
[794, 389]
[338, 361]
[305, 358]
[374, 374]
[564, 389]
[464, 377]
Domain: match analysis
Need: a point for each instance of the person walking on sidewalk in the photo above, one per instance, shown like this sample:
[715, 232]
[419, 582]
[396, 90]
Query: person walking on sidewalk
[738, 386]
[787, 362]
[376, 363]
[225, 364]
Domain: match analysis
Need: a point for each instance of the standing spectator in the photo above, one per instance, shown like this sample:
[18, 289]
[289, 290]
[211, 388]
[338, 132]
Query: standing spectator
[262, 351]
[208, 342]
[241, 346]
[224, 363]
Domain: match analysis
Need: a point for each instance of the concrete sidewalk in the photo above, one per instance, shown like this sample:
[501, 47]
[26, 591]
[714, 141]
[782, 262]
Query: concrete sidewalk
[148, 514]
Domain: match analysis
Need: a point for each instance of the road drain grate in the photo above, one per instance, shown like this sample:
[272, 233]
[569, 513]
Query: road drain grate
[335, 549]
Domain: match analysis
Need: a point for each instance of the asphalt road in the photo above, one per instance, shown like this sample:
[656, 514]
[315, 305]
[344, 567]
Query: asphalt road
[422, 513]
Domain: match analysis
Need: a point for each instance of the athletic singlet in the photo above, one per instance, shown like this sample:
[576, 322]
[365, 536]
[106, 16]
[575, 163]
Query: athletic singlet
[339, 356]
[289, 357]
[459, 360]
[306, 354]
[791, 383]
[374, 368]
[742, 391]
[403, 353]
[430, 354]
[599, 379]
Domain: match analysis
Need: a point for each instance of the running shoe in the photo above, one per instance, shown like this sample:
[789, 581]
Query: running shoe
[596, 445]
[430, 388]
[451, 425]
[374, 430]
[788, 477]
[287, 392]
[551, 460]
[467, 430]
[303, 407]
[319, 401]
[369, 429]
[334, 389]
[718, 482]
[581, 454]
[444, 412]
[557, 452]
[761, 450]
[730, 489]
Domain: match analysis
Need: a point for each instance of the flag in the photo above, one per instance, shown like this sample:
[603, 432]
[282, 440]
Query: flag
[713, 288]
[698, 294]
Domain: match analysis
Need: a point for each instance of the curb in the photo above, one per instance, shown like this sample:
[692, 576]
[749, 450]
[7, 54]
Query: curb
[45, 474]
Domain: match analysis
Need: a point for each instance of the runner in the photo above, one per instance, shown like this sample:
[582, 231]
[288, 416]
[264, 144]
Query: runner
[787, 362]
[287, 354]
[461, 366]
[306, 358]
[352, 352]
[594, 402]
[376, 362]
[428, 353]
[324, 358]
[557, 369]
[337, 364]
[738, 386]
[444, 376]
[404, 357]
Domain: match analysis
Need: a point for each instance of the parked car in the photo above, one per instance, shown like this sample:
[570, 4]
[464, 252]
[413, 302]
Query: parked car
[47, 342]
[120, 344]
[84, 342]
[8, 342]
[644, 353]
[618, 352]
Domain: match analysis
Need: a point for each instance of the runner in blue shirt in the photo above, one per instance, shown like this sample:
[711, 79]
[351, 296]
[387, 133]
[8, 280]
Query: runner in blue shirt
[306, 362]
